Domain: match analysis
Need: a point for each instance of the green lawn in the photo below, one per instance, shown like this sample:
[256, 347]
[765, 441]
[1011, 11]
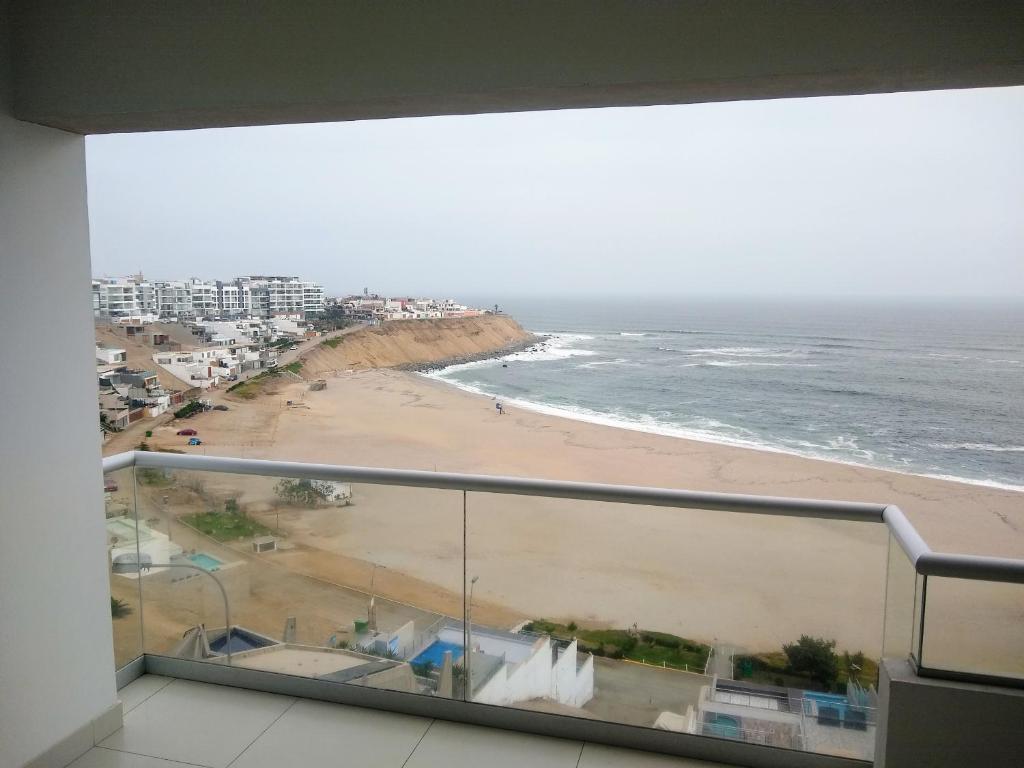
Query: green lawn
[224, 526]
[294, 367]
[250, 388]
[332, 343]
[656, 648]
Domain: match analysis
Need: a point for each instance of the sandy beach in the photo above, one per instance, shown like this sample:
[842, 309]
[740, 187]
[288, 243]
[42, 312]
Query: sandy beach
[750, 581]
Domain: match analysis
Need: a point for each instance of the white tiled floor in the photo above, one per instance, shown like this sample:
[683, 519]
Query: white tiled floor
[180, 724]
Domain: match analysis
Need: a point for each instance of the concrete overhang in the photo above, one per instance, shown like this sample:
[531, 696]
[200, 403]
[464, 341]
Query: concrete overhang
[139, 65]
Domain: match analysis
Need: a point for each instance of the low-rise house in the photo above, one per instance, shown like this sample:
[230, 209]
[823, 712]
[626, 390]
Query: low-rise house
[110, 356]
[507, 667]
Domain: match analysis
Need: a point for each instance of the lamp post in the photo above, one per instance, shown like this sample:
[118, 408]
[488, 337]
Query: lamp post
[371, 614]
[138, 567]
[469, 640]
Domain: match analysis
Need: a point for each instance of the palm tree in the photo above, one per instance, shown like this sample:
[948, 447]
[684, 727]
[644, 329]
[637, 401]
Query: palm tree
[119, 608]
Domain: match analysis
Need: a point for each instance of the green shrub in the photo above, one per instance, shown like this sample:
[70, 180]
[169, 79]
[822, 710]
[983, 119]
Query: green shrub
[187, 410]
[308, 493]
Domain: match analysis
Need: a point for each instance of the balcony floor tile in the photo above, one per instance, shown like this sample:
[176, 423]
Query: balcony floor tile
[141, 689]
[455, 745]
[99, 757]
[600, 756]
[207, 725]
[316, 733]
[182, 724]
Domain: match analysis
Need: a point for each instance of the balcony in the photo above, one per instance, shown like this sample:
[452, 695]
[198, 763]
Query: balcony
[404, 591]
[169, 719]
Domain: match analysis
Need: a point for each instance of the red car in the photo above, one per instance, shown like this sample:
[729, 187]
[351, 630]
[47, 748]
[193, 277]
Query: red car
[188, 432]
[109, 485]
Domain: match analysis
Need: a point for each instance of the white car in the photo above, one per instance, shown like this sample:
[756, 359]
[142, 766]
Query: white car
[293, 347]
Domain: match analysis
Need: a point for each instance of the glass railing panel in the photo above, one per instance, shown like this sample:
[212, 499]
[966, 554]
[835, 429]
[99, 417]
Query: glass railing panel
[122, 555]
[902, 605]
[357, 584]
[679, 619]
[974, 627]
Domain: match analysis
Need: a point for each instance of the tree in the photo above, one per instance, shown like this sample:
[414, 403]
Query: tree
[119, 608]
[308, 493]
[815, 658]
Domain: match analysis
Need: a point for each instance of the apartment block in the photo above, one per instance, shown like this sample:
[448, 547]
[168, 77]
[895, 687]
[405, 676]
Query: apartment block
[256, 296]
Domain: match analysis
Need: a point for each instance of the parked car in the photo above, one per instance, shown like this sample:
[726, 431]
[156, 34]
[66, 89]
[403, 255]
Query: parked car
[220, 407]
[195, 441]
[293, 347]
[109, 485]
[187, 432]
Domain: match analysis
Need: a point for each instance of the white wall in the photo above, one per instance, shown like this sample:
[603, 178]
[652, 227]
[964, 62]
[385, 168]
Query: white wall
[56, 651]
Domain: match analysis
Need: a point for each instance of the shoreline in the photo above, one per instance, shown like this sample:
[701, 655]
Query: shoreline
[439, 365]
[587, 416]
[754, 579]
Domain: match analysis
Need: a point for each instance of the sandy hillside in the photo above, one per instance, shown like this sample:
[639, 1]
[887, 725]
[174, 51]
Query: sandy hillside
[140, 354]
[410, 342]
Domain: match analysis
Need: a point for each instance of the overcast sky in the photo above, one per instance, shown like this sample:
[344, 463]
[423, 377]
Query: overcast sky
[903, 194]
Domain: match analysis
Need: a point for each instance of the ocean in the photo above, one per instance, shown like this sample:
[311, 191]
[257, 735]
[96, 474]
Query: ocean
[930, 388]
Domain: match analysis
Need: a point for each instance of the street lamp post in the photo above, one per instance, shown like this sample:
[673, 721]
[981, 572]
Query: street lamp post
[469, 640]
[138, 567]
[371, 614]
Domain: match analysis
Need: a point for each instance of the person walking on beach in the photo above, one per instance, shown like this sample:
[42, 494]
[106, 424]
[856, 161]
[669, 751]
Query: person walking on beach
[498, 407]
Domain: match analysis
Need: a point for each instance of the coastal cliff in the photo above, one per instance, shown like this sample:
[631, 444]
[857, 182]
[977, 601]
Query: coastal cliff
[418, 344]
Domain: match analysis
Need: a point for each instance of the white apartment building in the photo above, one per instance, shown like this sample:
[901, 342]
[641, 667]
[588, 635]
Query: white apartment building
[117, 297]
[173, 299]
[277, 295]
[204, 297]
[256, 296]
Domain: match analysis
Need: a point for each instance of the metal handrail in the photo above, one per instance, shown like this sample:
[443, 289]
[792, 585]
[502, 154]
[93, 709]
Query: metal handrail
[923, 559]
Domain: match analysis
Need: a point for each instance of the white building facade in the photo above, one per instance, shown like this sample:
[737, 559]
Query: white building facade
[254, 296]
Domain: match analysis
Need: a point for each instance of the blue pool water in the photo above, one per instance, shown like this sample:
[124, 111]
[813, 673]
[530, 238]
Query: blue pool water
[206, 562]
[722, 726]
[434, 653]
[240, 641]
[828, 700]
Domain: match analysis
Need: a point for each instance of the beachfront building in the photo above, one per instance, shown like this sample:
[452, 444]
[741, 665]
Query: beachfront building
[207, 367]
[258, 296]
[380, 309]
[278, 295]
[507, 667]
[122, 296]
[825, 723]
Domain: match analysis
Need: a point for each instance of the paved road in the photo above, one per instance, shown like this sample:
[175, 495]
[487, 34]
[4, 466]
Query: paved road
[637, 694]
[721, 661]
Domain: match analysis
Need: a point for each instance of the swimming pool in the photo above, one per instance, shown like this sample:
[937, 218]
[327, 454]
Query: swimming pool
[722, 726]
[240, 641]
[434, 653]
[206, 562]
[836, 701]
